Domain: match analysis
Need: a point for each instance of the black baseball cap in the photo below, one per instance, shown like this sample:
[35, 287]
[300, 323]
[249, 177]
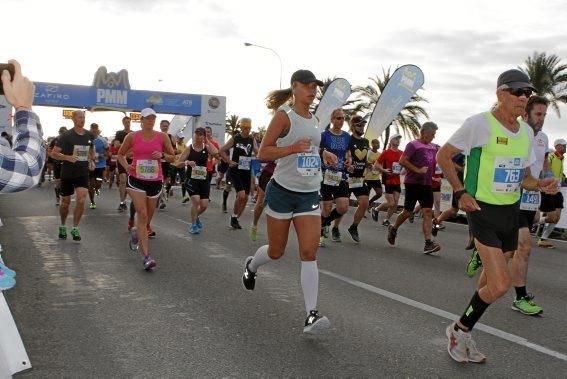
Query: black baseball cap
[305, 77]
[357, 121]
[514, 79]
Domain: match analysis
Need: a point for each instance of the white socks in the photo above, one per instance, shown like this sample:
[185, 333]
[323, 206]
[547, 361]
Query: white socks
[547, 230]
[309, 276]
[260, 258]
[310, 284]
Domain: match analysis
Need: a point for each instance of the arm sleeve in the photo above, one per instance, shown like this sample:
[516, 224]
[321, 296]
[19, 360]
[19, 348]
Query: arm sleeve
[21, 167]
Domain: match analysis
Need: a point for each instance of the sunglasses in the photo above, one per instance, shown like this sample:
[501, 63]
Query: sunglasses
[519, 92]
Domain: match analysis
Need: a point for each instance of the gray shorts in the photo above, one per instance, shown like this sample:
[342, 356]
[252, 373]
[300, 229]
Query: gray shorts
[284, 204]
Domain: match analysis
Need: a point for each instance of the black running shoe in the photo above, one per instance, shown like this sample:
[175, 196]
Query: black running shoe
[411, 218]
[249, 277]
[336, 235]
[353, 231]
[374, 213]
[234, 224]
[392, 233]
[431, 247]
[315, 323]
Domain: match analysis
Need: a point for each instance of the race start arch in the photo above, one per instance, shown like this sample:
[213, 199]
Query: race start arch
[111, 92]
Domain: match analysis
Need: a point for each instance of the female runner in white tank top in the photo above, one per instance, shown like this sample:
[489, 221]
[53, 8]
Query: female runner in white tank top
[292, 140]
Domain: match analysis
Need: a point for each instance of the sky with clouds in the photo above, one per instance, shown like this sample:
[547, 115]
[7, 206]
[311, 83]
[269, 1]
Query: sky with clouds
[197, 47]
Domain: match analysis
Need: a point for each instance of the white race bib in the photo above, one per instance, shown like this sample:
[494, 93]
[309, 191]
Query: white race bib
[147, 168]
[355, 182]
[372, 175]
[244, 162]
[81, 152]
[199, 173]
[530, 200]
[332, 178]
[396, 168]
[508, 174]
[308, 164]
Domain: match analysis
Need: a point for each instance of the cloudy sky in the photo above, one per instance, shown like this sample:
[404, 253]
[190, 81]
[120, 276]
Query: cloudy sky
[192, 46]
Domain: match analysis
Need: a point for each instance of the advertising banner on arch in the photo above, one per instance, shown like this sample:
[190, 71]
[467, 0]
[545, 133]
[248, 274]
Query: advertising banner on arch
[403, 84]
[73, 96]
[213, 115]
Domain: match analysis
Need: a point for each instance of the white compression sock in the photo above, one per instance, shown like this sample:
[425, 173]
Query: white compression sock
[547, 231]
[260, 258]
[542, 220]
[310, 284]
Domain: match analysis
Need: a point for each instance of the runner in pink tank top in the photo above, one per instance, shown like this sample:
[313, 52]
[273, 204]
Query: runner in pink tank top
[144, 165]
[145, 179]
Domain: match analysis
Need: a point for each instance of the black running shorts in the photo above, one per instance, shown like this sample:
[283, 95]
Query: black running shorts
[496, 225]
[68, 185]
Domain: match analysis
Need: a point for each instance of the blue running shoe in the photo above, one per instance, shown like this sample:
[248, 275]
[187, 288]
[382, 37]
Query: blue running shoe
[194, 229]
[7, 271]
[199, 223]
[6, 282]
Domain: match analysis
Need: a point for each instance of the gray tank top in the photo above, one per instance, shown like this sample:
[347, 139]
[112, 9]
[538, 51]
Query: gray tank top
[300, 172]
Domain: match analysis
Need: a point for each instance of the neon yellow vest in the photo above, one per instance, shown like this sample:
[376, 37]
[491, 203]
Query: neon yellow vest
[493, 172]
[556, 166]
[368, 173]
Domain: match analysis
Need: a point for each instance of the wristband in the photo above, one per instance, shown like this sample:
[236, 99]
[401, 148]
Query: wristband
[459, 194]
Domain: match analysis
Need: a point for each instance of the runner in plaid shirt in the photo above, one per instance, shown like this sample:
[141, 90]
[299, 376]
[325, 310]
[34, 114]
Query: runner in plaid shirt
[21, 166]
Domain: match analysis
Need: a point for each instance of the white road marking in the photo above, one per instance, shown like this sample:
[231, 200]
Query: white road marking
[450, 316]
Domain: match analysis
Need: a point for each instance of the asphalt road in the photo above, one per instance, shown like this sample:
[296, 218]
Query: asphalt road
[88, 309]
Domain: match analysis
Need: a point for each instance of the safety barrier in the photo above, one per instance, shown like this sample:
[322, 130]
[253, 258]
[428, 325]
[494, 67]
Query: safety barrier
[13, 356]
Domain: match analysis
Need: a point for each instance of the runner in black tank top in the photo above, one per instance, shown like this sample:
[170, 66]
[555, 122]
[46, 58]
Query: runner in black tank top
[242, 144]
[198, 183]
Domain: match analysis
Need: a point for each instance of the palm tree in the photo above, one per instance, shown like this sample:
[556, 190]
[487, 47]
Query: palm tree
[407, 121]
[548, 76]
[231, 124]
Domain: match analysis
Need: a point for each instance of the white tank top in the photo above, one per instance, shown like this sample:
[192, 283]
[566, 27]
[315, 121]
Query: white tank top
[299, 172]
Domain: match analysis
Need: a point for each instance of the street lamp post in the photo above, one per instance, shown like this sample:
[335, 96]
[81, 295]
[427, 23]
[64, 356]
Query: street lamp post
[273, 51]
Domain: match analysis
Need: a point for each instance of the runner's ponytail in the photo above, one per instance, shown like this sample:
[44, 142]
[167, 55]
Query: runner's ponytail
[277, 98]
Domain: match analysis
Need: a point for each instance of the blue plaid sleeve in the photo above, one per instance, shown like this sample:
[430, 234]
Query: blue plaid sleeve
[20, 167]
